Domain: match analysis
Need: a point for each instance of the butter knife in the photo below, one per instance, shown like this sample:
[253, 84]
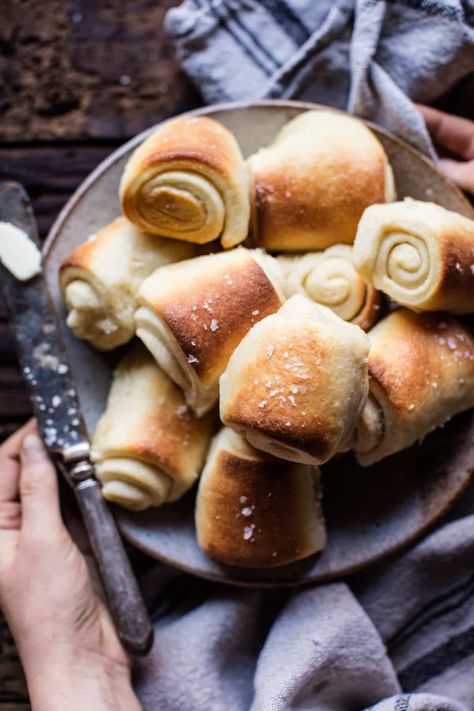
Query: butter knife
[56, 407]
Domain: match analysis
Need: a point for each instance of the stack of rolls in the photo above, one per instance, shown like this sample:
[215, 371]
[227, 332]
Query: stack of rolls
[293, 348]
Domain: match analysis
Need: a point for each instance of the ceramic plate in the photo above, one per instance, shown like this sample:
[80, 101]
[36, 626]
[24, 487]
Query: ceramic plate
[370, 512]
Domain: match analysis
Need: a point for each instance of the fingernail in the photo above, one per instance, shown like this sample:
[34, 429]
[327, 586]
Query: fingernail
[32, 444]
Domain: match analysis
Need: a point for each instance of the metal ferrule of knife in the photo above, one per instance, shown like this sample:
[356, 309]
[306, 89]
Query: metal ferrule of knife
[56, 407]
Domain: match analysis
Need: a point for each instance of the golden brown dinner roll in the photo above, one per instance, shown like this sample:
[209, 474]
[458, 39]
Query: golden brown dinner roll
[195, 313]
[330, 278]
[148, 446]
[297, 383]
[188, 180]
[312, 184]
[421, 373]
[99, 280]
[418, 253]
[255, 510]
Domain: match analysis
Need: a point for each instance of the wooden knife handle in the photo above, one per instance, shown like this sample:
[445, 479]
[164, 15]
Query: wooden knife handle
[125, 600]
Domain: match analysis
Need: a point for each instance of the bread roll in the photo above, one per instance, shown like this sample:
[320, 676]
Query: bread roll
[188, 181]
[195, 313]
[421, 373]
[148, 446]
[297, 383]
[312, 184]
[418, 253]
[99, 280]
[254, 510]
[330, 278]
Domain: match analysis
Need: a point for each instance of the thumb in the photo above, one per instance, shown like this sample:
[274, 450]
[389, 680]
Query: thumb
[462, 173]
[38, 489]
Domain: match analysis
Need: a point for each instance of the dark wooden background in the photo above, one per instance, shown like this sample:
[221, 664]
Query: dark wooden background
[78, 79]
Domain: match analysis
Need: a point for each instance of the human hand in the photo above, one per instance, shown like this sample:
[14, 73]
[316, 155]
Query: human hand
[454, 135]
[67, 642]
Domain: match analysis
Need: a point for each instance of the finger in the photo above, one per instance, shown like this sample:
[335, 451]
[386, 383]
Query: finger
[10, 516]
[451, 132]
[38, 489]
[11, 447]
[9, 463]
[461, 173]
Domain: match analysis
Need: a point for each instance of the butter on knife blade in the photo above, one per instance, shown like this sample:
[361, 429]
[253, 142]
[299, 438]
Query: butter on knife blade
[18, 253]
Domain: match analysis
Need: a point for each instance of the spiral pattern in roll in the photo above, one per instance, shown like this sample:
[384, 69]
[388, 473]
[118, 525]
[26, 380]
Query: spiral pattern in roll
[330, 278]
[188, 181]
[100, 278]
[148, 446]
[418, 253]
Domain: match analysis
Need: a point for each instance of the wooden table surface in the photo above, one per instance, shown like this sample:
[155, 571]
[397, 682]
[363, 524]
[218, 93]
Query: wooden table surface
[78, 79]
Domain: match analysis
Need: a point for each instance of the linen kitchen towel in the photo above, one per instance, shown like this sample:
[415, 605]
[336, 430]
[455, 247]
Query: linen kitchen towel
[371, 57]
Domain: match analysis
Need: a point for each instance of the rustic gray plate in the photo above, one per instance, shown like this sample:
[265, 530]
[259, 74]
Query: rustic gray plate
[370, 512]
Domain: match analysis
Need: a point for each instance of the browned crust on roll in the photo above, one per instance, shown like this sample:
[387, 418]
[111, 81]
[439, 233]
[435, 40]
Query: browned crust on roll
[268, 491]
[314, 422]
[372, 311]
[424, 347]
[210, 317]
[83, 254]
[194, 138]
[456, 283]
[313, 195]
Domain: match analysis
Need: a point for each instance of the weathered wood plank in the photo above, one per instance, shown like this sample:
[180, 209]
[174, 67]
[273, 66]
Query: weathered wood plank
[87, 69]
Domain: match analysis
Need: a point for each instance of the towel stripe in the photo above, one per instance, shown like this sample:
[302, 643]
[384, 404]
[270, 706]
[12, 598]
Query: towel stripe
[291, 23]
[238, 21]
[239, 37]
[437, 660]
[420, 619]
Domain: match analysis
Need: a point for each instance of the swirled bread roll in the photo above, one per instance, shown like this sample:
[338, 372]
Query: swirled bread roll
[418, 253]
[148, 446]
[312, 184]
[195, 313]
[330, 278]
[99, 280]
[255, 510]
[297, 383]
[421, 373]
[188, 181]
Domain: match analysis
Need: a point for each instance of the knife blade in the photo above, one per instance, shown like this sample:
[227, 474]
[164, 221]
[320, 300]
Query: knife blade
[56, 407]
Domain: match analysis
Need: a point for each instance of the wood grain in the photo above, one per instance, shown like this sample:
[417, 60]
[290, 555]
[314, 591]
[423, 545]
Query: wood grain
[87, 69]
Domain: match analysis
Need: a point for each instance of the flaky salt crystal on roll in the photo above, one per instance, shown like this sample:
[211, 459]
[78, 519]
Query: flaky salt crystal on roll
[418, 253]
[254, 510]
[100, 278]
[148, 446]
[421, 373]
[188, 181]
[297, 383]
[194, 314]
